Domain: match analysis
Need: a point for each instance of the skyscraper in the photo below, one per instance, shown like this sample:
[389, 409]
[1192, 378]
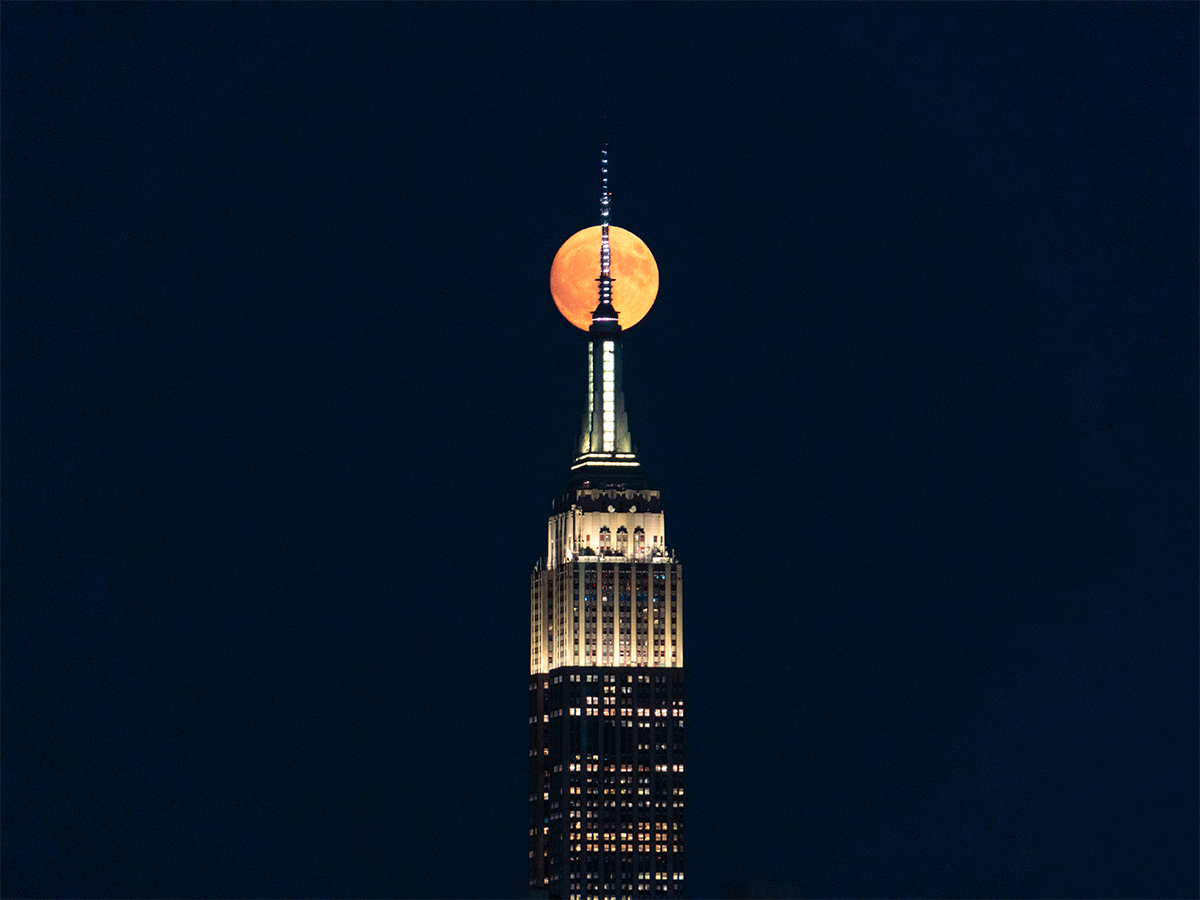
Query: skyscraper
[606, 683]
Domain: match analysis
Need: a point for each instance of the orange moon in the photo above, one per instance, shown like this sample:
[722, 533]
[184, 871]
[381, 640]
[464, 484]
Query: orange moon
[576, 267]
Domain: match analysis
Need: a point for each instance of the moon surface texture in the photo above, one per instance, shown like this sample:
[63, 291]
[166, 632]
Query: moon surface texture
[576, 267]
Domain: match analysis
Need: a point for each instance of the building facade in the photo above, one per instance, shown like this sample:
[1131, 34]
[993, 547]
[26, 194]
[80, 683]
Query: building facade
[606, 683]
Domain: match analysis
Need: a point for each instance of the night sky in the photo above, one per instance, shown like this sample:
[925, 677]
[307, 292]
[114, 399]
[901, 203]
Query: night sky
[285, 401]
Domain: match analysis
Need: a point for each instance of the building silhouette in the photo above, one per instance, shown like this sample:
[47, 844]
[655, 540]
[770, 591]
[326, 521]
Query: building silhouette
[606, 684]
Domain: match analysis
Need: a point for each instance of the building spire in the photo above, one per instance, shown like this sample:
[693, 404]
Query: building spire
[604, 317]
[605, 441]
[605, 210]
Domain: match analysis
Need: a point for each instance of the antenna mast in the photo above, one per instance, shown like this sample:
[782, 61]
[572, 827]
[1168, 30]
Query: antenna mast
[604, 315]
[605, 211]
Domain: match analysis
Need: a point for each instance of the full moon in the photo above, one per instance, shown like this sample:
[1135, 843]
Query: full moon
[576, 267]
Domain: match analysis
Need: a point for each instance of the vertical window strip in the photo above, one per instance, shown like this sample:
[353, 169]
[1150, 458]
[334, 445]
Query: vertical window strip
[609, 396]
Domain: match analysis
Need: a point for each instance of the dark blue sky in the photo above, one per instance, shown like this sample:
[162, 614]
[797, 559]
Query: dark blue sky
[285, 400]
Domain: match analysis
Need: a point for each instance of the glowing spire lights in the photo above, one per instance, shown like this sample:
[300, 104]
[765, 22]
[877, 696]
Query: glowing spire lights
[604, 213]
[604, 312]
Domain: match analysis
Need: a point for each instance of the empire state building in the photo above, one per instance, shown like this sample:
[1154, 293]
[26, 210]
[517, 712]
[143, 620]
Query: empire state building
[606, 682]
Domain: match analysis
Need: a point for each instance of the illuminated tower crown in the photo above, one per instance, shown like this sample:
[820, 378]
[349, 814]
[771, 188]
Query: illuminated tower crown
[608, 524]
